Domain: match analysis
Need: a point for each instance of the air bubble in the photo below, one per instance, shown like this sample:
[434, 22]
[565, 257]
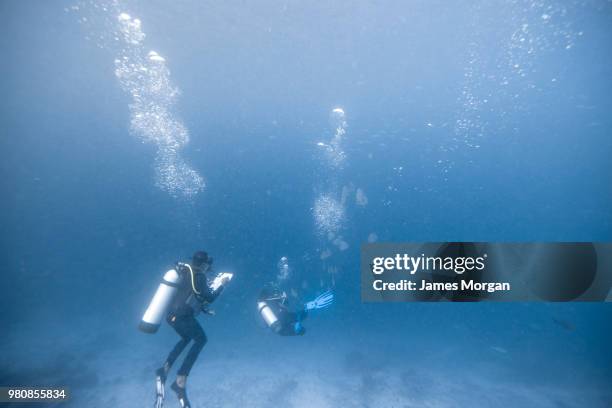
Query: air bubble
[146, 79]
[328, 214]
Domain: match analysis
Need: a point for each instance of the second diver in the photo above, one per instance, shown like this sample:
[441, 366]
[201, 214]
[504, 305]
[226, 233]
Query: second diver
[274, 308]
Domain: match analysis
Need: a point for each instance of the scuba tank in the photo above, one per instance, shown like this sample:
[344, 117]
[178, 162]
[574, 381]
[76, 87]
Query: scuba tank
[266, 305]
[267, 314]
[165, 294]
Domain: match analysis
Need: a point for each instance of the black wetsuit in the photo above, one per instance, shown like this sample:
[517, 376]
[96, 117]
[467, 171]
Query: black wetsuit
[181, 317]
[287, 320]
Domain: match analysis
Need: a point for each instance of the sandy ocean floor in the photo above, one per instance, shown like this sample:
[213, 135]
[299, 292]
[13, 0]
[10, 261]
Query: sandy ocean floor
[319, 370]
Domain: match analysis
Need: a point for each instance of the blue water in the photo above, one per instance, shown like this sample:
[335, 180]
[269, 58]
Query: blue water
[480, 122]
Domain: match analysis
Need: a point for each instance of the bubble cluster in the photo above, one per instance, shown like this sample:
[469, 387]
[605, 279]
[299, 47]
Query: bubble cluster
[175, 176]
[495, 83]
[334, 152]
[361, 199]
[538, 27]
[469, 126]
[146, 78]
[328, 214]
[340, 243]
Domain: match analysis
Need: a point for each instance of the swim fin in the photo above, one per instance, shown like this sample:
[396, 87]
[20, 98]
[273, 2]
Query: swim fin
[324, 300]
[160, 387]
[181, 394]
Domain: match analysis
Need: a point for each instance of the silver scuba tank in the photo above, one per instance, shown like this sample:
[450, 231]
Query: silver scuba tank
[166, 291]
[266, 313]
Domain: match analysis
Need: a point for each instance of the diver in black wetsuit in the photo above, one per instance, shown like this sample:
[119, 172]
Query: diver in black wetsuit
[194, 294]
[274, 308]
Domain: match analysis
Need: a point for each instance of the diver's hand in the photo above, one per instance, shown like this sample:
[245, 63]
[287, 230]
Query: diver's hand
[208, 311]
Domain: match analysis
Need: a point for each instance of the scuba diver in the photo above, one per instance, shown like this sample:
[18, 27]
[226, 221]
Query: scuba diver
[194, 293]
[275, 310]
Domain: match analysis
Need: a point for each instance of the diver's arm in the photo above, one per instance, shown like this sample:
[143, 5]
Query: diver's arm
[206, 294]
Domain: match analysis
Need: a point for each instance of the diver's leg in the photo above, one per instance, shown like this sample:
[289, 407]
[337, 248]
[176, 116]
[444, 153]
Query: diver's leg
[193, 330]
[176, 351]
[199, 340]
[162, 373]
[290, 325]
[181, 327]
